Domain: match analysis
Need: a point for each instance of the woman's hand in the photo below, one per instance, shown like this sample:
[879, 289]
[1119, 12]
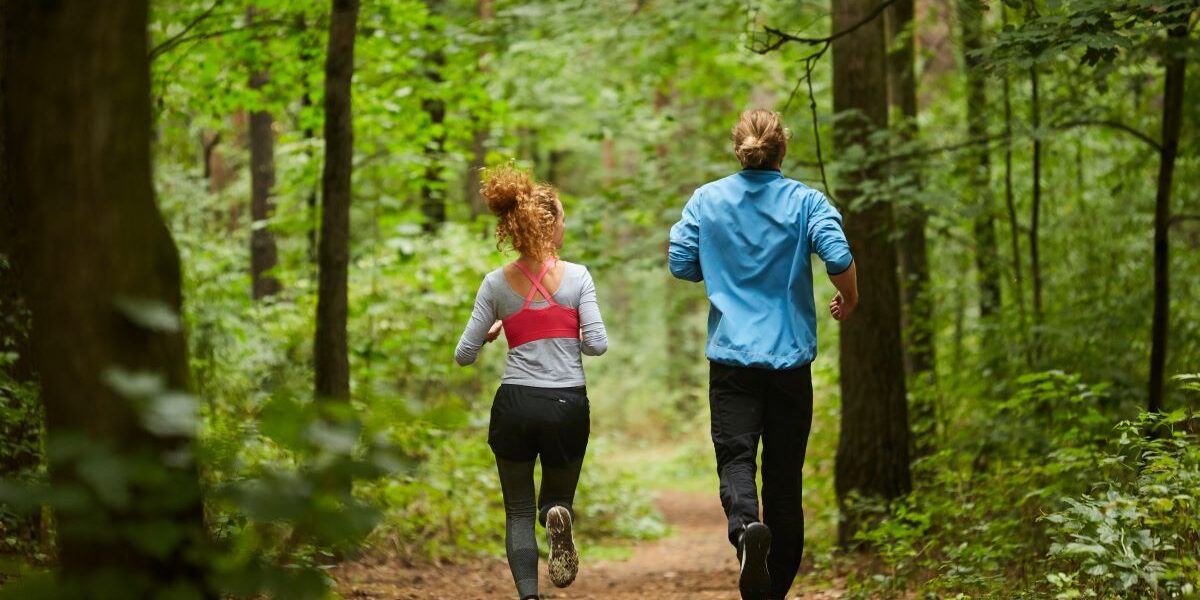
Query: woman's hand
[494, 332]
[841, 308]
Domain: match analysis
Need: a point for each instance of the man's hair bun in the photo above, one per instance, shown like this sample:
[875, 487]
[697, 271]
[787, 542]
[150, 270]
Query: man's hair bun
[759, 139]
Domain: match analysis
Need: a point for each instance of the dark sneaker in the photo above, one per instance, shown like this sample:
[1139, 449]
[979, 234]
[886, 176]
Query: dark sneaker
[564, 559]
[754, 582]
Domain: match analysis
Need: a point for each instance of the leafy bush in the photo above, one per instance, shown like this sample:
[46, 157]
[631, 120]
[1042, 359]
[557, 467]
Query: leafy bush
[1137, 533]
[1038, 501]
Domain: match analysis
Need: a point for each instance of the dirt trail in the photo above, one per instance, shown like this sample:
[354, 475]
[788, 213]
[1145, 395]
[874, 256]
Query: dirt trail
[695, 562]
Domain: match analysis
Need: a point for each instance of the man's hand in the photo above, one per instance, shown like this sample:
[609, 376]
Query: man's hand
[846, 299]
[841, 308]
[494, 332]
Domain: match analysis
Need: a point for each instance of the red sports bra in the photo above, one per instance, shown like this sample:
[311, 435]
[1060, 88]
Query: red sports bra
[529, 324]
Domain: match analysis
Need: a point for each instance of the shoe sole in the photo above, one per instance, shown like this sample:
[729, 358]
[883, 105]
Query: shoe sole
[564, 559]
[754, 582]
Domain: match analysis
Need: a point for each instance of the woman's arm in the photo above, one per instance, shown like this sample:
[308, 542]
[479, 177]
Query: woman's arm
[593, 337]
[478, 331]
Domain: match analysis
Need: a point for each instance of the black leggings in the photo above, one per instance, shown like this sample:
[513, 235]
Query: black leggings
[526, 423]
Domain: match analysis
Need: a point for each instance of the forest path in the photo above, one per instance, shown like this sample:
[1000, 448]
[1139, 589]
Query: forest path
[695, 562]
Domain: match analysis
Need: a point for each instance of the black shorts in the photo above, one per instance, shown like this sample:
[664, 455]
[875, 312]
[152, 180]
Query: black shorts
[531, 421]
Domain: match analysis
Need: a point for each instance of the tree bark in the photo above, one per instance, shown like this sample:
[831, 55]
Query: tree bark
[330, 353]
[433, 195]
[21, 434]
[987, 270]
[912, 246]
[873, 450]
[263, 254]
[95, 257]
[1175, 70]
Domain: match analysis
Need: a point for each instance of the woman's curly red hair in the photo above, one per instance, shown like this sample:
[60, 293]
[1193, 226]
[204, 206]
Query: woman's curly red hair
[526, 211]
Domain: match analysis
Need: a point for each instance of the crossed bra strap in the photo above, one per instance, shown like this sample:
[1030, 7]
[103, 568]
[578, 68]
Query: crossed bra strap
[537, 283]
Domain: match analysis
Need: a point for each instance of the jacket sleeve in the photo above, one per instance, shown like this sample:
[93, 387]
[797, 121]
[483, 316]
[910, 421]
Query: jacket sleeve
[825, 235]
[683, 254]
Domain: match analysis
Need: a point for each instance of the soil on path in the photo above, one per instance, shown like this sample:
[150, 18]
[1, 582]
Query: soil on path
[695, 563]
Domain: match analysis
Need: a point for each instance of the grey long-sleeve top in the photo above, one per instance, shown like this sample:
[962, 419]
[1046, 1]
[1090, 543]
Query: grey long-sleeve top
[552, 362]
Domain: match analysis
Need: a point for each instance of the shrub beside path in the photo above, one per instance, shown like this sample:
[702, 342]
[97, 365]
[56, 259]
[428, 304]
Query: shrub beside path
[694, 563]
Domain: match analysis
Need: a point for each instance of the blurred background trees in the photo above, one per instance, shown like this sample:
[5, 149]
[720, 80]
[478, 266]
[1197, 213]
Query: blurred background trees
[1017, 180]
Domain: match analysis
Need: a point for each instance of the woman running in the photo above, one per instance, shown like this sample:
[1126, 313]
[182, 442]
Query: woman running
[547, 308]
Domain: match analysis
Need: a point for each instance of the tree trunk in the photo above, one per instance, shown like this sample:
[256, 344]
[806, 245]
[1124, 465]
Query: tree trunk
[912, 253]
[873, 450]
[1035, 267]
[308, 57]
[263, 255]
[987, 269]
[1011, 204]
[21, 431]
[433, 195]
[473, 181]
[102, 278]
[329, 350]
[1175, 69]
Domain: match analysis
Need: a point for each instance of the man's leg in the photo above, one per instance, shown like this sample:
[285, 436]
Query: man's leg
[736, 401]
[788, 420]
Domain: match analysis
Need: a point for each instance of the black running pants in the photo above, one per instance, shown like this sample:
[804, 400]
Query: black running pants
[775, 405]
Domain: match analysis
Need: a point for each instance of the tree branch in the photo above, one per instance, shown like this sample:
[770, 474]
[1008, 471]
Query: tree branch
[176, 39]
[179, 40]
[787, 37]
[1111, 125]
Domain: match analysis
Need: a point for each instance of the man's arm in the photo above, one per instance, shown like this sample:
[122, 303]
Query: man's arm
[828, 240]
[683, 254]
[846, 300]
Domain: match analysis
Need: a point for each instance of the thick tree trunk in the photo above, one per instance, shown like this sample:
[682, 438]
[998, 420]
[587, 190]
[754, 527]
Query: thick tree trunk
[987, 271]
[1175, 70]
[433, 194]
[263, 255]
[873, 450]
[102, 278]
[21, 432]
[912, 252]
[329, 349]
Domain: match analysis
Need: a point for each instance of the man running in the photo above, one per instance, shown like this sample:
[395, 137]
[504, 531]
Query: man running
[750, 237]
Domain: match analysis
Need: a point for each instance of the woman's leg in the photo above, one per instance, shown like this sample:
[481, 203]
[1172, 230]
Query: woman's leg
[520, 543]
[558, 487]
[562, 444]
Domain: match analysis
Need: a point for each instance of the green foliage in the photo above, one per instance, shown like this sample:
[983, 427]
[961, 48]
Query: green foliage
[20, 461]
[1136, 534]
[1100, 510]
